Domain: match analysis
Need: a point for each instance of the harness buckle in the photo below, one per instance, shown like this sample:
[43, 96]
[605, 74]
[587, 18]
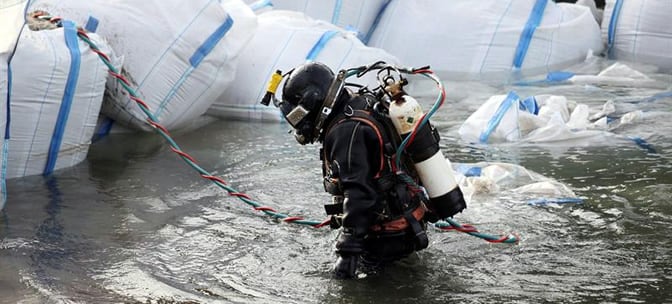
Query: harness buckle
[336, 221]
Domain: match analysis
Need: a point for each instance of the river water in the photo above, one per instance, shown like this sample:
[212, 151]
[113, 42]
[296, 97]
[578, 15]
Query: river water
[135, 224]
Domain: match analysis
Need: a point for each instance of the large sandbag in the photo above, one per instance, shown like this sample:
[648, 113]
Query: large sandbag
[11, 21]
[544, 119]
[179, 55]
[284, 40]
[356, 15]
[639, 31]
[57, 90]
[488, 39]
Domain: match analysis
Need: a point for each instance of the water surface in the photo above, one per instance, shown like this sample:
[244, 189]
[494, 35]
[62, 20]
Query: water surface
[135, 224]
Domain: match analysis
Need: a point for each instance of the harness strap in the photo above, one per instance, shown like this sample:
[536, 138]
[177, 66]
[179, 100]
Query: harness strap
[402, 223]
[381, 142]
[421, 239]
[333, 209]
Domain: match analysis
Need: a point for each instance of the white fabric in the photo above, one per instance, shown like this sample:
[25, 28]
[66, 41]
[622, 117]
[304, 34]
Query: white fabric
[619, 74]
[40, 71]
[358, 15]
[497, 177]
[282, 42]
[559, 121]
[597, 13]
[159, 39]
[642, 33]
[11, 20]
[466, 39]
[3, 123]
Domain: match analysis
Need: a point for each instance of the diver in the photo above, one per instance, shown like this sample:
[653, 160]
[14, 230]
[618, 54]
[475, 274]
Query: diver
[382, 208]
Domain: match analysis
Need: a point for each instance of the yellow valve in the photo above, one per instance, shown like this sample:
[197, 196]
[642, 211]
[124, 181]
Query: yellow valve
[273, 84]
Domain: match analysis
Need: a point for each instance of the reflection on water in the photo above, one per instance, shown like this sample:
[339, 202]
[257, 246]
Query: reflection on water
[135, 224]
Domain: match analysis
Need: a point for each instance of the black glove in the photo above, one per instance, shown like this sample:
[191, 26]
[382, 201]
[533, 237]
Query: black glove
[346, 266]
[348, 247]
[348, 244]
[447, 208]
[431, 217]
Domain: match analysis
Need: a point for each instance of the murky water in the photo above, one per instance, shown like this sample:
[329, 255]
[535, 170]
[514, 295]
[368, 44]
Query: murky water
[134, 224]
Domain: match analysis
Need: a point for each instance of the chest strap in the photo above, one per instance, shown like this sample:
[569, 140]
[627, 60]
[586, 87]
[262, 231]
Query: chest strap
[365, 117]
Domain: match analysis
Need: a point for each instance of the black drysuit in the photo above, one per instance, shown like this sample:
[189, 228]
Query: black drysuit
[352, 151]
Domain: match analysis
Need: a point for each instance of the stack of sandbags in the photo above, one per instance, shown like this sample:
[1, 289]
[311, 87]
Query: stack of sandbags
[178, 55]
[488, 39]
[639, 31]
[284, 40]
[57, 90]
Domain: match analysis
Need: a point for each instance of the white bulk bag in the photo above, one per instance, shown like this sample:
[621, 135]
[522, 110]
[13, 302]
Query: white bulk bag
[283, 41]
[57, 90]
[541, 118]
[497, 120]
[11, 21]
[488, 39]
[639, 31]
[357, 15]
[178, 55]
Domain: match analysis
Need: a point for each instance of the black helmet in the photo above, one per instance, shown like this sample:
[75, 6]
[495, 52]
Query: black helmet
[303, 96]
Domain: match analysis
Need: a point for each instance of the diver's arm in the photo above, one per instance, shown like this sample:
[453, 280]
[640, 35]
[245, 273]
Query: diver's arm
[355, 148]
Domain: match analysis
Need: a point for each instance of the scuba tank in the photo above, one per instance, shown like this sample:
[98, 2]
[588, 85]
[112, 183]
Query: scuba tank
[435, 171]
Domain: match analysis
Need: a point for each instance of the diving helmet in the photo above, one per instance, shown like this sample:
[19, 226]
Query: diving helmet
[303, 97]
